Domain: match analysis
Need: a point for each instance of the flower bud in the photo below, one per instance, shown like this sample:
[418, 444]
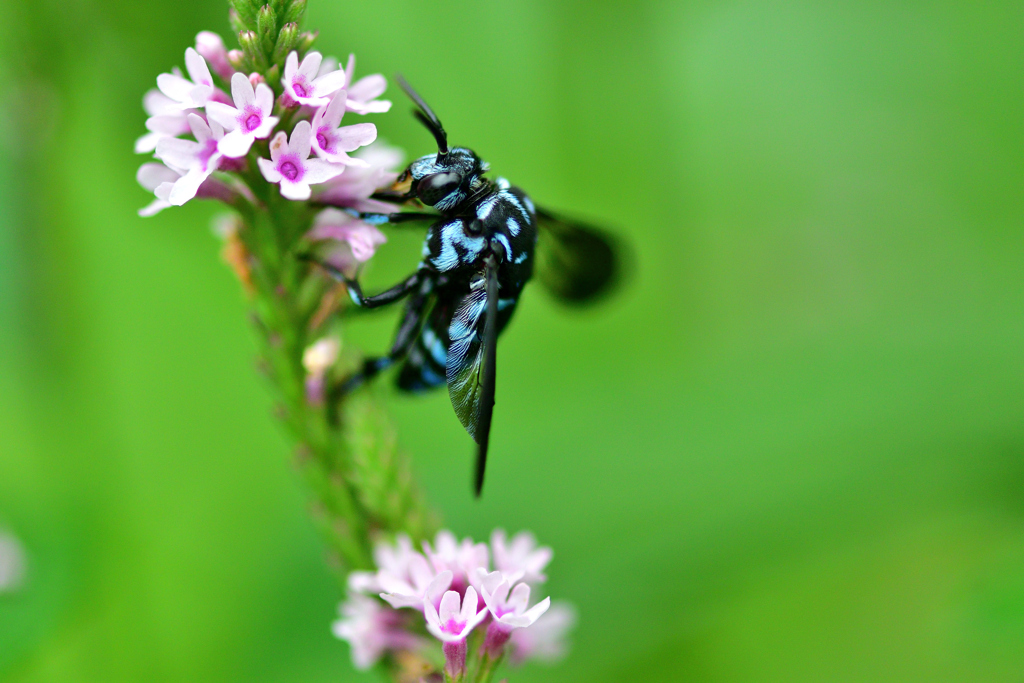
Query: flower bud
[306, 40]
[287, 39]
[266, 28]
[251, 47]
[294, 13]
[236, 58]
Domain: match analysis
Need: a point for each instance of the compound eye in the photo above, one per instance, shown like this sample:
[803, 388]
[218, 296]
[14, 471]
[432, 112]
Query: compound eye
[435, 187]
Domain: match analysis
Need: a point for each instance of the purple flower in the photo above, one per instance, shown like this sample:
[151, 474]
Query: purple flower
[362, 95]
[508, 610]
[522, 555]
[211, 47]
[353, 188]
[166, 119]
[248, 120]
[451, 624]
[331, 141]
[198, 158]
[546, 639]
[371, 630]
[357, 242]
[302, 84]
[189, 94]
[290, 165]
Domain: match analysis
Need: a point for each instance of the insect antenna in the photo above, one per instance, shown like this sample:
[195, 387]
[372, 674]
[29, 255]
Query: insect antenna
[427, 117]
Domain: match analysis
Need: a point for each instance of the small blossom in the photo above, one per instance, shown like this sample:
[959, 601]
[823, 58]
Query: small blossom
[188, 94]
[522, 555]
[166, 118]
[357, 240]
[362, 95]
[546, 639]
[371, 630]
[290, 165]
[159, 180]
[420, 586]
[508, 610]
[462, 559]
[331, 140]
[12, 563]
[451, 624]
[197, 158]
[353, 188]
[248, 120]
[302, 84]
[211, 47]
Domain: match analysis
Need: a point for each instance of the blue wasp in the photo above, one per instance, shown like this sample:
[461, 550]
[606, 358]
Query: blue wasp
[479, 253]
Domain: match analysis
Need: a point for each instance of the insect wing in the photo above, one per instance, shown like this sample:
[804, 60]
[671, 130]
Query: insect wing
[471, 366]
[576, 262]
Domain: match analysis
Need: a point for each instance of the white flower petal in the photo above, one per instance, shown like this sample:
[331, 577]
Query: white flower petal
[291, 65]
[449, 609]
[178, 152]
[263, 97]
[351, 138]
[187, 186]
[175, 87]
[235, 144]
[310, 64]
[329, 83]
[268, 170]
[295, 191]
[197, 68]
[224, 114]
[368, 88]
[319, 171]
[241, 91]
[299, 143]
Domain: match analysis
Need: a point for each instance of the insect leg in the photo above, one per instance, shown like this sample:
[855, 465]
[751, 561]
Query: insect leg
[404, 338]
[392, 218]
[355, 291]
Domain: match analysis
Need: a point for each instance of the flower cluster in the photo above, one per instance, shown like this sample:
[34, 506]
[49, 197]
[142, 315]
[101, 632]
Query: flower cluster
[215, 145]
[461, 593]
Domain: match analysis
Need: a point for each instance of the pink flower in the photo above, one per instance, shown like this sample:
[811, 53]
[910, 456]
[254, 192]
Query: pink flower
[546, 639]
[291, 166]
[451, 624]
[211, 47]
[420, 586]
[248, 120]
[463, 559]
[362, 95]
[317, 359]
[166, 119]
[197, 158]
[371, 630]
[331, 140]
[508, 610]
[159, 180]
[353, 188]
[188, 94]
[522, 555]
[357, 240]
[302, 84]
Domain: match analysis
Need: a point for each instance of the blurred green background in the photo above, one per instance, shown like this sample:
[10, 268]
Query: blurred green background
[791, 450]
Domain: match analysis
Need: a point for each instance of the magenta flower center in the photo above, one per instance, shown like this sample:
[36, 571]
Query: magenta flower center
[208, 151]
[251, 119]
[300, 88]
[322, 140]
[289, 170]
[454, 627]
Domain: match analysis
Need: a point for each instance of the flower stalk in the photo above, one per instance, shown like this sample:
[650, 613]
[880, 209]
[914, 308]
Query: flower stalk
[260, 128]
